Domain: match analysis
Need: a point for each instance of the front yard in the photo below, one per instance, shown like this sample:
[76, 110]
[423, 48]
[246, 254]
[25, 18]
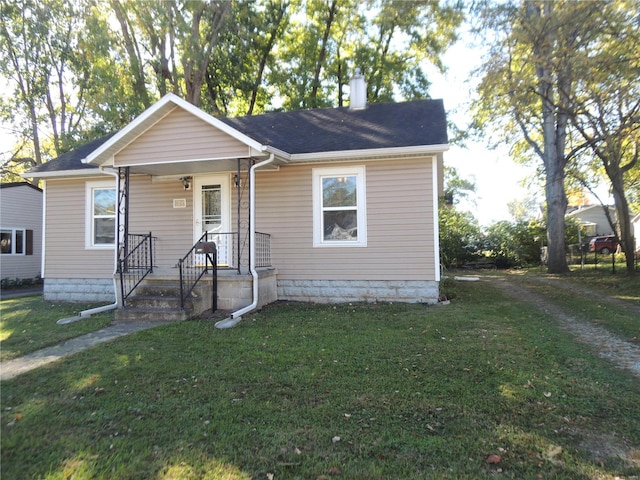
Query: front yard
[483, 388]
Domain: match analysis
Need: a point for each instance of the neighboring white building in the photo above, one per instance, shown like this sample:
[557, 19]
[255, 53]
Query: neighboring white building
[594, 220]
[21, 231]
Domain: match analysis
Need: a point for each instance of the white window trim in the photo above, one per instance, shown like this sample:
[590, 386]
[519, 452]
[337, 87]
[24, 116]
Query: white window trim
[318, 174]
[89, 187]
[14, 230]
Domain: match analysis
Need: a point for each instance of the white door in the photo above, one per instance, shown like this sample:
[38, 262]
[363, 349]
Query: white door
[212, 213]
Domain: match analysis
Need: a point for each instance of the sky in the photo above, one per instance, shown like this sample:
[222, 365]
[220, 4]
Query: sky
[497, 177]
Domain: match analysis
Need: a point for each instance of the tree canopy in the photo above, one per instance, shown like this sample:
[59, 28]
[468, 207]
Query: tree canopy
[562, 79]
[79, 69]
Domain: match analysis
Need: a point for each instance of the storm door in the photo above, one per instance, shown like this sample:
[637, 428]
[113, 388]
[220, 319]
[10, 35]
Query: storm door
[212, 213]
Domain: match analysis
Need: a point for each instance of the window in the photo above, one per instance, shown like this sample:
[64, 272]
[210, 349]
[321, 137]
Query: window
[101, 215]
[16, 241]
[339, 216]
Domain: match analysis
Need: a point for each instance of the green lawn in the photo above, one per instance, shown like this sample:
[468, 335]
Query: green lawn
[483, 388]
[28, 324]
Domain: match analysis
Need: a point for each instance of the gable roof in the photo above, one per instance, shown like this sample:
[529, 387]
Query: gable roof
[416, 127]
[577, 211]
[150, 117]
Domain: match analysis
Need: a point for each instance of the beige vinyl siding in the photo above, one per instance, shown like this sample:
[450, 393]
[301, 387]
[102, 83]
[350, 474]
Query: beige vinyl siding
[177, 137]
[400, 231]
[21, 208]
[65, 225]
[151, 210]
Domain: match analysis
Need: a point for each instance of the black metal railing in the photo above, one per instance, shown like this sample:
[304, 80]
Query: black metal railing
[199, 260]
[136, 263]
[232, 250]
[263, 250]
[226, 249]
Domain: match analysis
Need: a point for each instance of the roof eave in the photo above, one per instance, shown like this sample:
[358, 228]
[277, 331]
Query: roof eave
[83, 172]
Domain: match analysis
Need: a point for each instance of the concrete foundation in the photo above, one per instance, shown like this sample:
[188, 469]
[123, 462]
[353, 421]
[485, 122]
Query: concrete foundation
[340, 291]
[79, 290]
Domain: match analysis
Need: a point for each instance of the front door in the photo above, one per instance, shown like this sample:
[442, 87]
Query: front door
[212, 213]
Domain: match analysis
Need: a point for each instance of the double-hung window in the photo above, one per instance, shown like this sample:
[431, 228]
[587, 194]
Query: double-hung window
[13, 241]
[339, 203]
[101, 215]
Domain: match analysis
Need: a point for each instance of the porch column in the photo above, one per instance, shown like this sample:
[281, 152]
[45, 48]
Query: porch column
[122, 215]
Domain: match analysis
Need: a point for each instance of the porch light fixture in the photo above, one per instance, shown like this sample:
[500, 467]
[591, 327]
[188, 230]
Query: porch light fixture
[237, 181]
[186, 182]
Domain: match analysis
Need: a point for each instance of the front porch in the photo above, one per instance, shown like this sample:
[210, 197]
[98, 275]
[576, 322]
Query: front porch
[208, 277]
[157, 298]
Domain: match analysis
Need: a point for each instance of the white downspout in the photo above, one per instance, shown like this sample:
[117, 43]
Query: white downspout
[114, 305]
[237, 315]
[92, 311]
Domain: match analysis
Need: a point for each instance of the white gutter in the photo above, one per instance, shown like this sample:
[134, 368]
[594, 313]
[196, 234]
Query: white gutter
[237, 315]
[342, 155]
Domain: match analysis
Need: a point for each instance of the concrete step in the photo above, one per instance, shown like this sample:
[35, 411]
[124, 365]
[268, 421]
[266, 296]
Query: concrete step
[157, 288]
[156, 315]
[156, 300]
[153, 301]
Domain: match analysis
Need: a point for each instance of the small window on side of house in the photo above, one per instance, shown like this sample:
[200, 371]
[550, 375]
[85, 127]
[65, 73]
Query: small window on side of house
[14, 241]
[100, 215]
[339, 207]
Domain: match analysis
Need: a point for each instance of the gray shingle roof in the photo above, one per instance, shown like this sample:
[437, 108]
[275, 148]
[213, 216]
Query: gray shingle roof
[72, 160]
[380, 125]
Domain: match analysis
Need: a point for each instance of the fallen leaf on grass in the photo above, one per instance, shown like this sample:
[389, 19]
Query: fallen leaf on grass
[494, 459]
[552, 452]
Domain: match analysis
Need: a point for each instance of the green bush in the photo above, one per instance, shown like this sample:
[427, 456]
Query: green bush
[9, 283]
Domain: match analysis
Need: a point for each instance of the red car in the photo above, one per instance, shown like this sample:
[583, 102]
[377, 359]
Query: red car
[603, 244]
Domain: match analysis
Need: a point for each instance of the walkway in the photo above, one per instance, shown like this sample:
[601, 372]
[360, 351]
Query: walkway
[15, 367]
[623, 353]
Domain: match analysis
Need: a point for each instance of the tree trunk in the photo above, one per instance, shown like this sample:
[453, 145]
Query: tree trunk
[315, 84]
[195, 60]
[273, 36]
[556, 209]
[624, 222]
[135, 62]
[554, 133]
[36, 134]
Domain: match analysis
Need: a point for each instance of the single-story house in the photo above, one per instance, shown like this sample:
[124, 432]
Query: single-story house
[593, 219]
[322, 205]
[20, 231]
